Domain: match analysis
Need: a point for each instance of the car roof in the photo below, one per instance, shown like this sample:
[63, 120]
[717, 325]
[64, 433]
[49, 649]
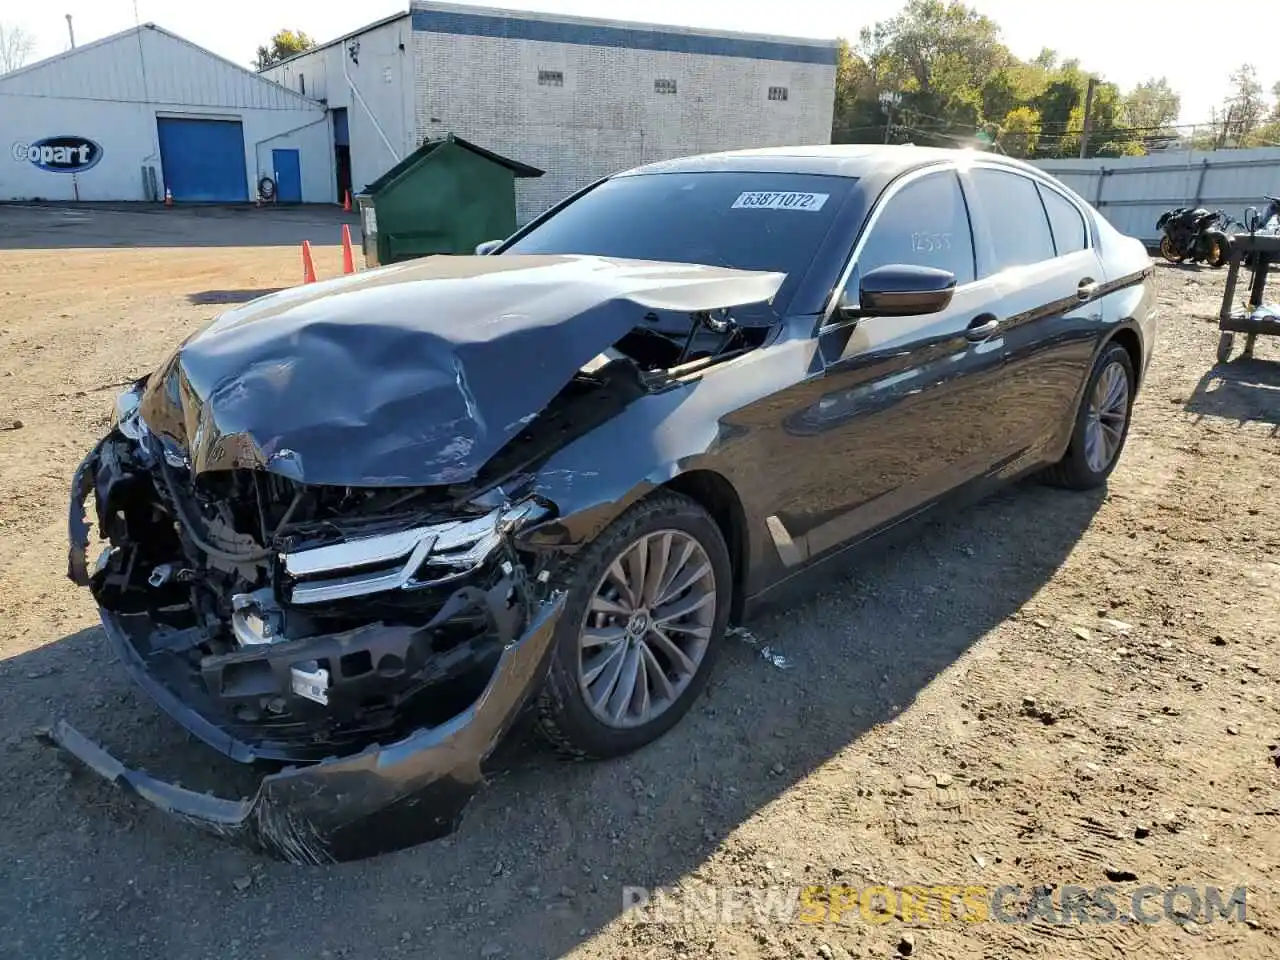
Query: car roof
[875, 163]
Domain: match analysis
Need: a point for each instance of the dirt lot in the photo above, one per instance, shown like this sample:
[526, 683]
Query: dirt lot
[1051, 689]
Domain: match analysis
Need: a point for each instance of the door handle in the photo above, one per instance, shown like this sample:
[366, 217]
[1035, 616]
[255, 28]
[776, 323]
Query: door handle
[1086, 289]
[982, 327]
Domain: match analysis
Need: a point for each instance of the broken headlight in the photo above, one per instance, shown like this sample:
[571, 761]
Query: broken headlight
[124, 412]
[405, 560]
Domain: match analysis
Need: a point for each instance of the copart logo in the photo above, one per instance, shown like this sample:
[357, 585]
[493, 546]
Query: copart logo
[59, 154]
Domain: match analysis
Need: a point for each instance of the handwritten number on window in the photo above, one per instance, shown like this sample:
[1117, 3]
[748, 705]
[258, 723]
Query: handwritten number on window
[930, 242]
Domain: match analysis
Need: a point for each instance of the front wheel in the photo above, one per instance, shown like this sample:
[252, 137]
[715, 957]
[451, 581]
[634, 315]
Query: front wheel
[647, 609]
[1169, 251]
[1101, 424]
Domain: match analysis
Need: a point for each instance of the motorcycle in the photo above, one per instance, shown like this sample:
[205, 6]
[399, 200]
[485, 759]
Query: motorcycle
[1194, 234]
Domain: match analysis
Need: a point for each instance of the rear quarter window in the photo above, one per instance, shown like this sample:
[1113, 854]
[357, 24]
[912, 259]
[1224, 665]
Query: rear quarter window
[1069, 232]
[1015, 218]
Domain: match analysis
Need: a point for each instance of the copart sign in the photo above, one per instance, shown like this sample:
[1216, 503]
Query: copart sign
[64, 154]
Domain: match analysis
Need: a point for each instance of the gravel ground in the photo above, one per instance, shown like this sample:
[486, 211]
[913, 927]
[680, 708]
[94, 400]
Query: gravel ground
[1049, 689]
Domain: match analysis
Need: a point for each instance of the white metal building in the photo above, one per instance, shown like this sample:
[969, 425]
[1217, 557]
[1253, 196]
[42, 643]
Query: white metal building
[127, 116]
[580, 98]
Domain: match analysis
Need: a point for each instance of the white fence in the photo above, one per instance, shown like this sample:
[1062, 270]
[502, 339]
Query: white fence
[1132, 192]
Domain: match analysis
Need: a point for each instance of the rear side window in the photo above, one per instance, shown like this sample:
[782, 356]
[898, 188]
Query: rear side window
[924, 224]
[1069, 234]
[1016, 219]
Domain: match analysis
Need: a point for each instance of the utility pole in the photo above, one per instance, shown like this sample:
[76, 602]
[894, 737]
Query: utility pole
[71, 32]
[1088, 119]
[889, 100]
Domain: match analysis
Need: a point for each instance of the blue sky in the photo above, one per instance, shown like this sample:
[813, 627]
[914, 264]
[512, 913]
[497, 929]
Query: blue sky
[1125, 40]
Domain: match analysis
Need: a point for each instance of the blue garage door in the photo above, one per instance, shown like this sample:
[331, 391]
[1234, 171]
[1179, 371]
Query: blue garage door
[203, 160]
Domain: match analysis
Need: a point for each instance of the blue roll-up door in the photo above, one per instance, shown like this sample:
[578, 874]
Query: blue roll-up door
[203, 160]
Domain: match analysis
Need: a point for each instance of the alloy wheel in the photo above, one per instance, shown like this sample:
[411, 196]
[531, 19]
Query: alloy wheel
[1108, 413]
[646, 629]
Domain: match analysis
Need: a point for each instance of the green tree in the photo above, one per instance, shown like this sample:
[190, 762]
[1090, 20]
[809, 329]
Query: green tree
[956, 82]
[857, 117]
[1019, 132]
[937, 55]
[283, 45]
[1152, 107]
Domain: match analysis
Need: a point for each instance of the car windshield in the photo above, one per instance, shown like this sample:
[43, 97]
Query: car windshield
[746, 220]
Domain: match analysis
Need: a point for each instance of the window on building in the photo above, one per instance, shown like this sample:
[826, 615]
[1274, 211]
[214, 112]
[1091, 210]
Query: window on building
[302, 84]
[664, 86]
[551, 78]
[777, 93]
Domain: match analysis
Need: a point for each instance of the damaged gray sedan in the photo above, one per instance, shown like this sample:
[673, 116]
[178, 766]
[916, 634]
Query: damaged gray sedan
[356, 527]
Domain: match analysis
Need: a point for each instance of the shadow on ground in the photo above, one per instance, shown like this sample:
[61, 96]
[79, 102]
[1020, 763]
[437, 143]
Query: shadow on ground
[1244, 390]
[539, 864]
[62, 226]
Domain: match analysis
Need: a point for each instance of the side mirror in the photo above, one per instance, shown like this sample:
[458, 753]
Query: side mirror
[486, 248]
[903, 290]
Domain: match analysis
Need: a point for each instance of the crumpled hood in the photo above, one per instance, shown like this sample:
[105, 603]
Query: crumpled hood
[414, 374]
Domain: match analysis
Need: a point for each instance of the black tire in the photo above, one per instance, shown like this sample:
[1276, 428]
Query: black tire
[1169, 251]
[564, 718]
[1073, 470]
[1219, 248]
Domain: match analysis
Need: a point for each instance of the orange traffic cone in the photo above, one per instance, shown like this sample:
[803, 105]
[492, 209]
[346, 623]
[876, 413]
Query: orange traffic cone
[168, 197]
[348, 261]
[308, 265]
[346, 202]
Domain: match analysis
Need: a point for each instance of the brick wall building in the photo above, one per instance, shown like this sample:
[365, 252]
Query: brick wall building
[579, 98]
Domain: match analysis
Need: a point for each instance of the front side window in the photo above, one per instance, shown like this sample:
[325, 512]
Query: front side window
[746, 220]
[1016, 219]
[1069, 234]
[924, 224]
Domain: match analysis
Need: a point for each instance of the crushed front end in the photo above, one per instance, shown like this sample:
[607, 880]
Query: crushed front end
[381, 638]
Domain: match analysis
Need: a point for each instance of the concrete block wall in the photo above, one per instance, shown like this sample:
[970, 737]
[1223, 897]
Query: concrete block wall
[597, 110]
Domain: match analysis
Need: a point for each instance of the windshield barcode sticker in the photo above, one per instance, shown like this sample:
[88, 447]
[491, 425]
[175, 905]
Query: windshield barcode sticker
[766, 200]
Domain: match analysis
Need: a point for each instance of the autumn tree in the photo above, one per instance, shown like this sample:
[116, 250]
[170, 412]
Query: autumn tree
[285, 44]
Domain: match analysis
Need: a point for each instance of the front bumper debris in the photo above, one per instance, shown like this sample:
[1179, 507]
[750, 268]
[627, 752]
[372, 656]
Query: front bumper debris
[380, 799]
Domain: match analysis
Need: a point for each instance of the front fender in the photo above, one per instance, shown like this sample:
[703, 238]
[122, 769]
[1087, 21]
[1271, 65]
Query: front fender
[695, 425]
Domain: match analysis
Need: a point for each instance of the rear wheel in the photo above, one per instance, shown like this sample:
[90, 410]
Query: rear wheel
[1101, 424]
[648, 604]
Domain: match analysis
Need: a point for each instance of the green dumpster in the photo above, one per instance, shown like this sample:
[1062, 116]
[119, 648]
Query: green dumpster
[447, 196]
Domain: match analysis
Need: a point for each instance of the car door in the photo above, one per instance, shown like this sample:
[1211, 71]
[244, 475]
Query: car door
[898, 414]
[1034, 244]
